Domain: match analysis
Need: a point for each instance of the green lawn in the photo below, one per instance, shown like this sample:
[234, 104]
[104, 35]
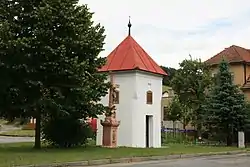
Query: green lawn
[2, 121]
[19, 133]
[15, 123]
[23, 154]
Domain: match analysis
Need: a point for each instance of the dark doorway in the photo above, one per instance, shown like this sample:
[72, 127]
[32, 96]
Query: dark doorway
[147, 130]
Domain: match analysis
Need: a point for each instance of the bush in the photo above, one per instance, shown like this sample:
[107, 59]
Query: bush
[178, 137]
[66, 132]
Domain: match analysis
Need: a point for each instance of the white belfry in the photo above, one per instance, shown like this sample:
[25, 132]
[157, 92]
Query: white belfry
[138, 99]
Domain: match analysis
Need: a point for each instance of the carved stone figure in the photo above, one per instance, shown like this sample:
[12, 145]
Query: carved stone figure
[114, 93]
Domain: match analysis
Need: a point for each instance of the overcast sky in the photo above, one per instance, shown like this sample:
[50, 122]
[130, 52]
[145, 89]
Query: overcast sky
[170, 30]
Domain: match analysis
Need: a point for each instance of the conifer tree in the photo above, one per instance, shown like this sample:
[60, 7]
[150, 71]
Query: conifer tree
[225, 110]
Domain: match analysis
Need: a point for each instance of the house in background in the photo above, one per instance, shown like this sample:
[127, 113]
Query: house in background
[239, 65]
[167, 96]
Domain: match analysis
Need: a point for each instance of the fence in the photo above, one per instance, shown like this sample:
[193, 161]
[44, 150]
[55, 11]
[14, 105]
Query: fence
[170, 135]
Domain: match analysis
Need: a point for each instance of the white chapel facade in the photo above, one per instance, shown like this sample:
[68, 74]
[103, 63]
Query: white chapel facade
[138, 102]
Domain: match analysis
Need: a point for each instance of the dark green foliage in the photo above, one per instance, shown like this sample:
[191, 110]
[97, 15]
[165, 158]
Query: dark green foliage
[178, 137]
[17, 90]
[173, 112]
[225, 108]
[66, 132]
[247, 127]
[190, 82]
[49, 60]
[171, 72]
[177, 111]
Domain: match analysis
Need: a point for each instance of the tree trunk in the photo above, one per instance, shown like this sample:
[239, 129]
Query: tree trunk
[230, 135]
[38, 130]
[174, 129]
[229, 139]
[185, 130]
[198, 123]
[199, 130]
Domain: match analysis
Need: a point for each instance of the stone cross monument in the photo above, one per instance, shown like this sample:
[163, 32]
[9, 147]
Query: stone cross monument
[110, 123]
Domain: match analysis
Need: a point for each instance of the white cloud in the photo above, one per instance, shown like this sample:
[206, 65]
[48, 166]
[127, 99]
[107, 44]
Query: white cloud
[169, 30]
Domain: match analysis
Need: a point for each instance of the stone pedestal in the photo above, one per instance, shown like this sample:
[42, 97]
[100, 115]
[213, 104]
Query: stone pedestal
[110, 125]
[241, 139]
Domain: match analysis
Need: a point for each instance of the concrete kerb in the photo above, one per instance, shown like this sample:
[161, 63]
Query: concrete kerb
[6, 135]
[137, 159]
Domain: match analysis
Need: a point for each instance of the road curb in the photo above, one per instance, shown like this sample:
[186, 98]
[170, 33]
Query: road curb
[6, 135]
[136, 159]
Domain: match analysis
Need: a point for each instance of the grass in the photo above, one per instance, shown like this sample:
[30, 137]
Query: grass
[22, 153]
[17, 122]
[19, 133]
[2, 121]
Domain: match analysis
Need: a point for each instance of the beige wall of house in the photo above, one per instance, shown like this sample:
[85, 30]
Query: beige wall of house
[237, 71]
[240, 73]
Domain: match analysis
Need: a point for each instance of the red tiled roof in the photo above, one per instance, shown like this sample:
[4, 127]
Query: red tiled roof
[129, 55]
[233, 54]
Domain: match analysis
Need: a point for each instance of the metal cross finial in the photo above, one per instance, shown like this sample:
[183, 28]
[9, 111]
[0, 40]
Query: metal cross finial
[129, 27]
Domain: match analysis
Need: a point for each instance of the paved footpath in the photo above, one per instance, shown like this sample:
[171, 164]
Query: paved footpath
[212, 161]
[8, 139]
[5, 139]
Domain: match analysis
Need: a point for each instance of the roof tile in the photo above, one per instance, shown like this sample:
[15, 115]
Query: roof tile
[129, 55]
[232, 54]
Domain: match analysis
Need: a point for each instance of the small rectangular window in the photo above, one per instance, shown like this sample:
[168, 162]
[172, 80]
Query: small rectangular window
[232, 74]
[214, 74]
[149, 97]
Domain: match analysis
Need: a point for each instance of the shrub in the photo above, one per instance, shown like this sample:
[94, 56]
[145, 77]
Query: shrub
[66, 132]
[178, 137]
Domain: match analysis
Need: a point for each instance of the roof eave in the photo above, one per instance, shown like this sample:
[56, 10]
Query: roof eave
[135, 69]
[230, 62]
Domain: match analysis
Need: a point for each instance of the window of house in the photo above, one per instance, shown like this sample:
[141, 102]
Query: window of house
[232, 74]
[149, 97]
[214, 74]
[165, 94]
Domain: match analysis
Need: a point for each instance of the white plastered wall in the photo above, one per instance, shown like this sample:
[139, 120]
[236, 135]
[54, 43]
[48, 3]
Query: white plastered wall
[132, 109]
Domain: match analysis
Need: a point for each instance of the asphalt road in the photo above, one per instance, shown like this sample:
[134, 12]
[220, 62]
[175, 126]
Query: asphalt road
[214, 161]
[4, 139]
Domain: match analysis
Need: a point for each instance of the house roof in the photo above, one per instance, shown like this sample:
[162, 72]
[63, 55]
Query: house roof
[232, 54]
[129, 55]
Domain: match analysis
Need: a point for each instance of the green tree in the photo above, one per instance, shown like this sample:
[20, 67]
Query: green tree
[225, 109]
[178, 111]
[190, 83]
[75, 132]
[173, 112]
[18, 92]
[49, 53]
[171, 72]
